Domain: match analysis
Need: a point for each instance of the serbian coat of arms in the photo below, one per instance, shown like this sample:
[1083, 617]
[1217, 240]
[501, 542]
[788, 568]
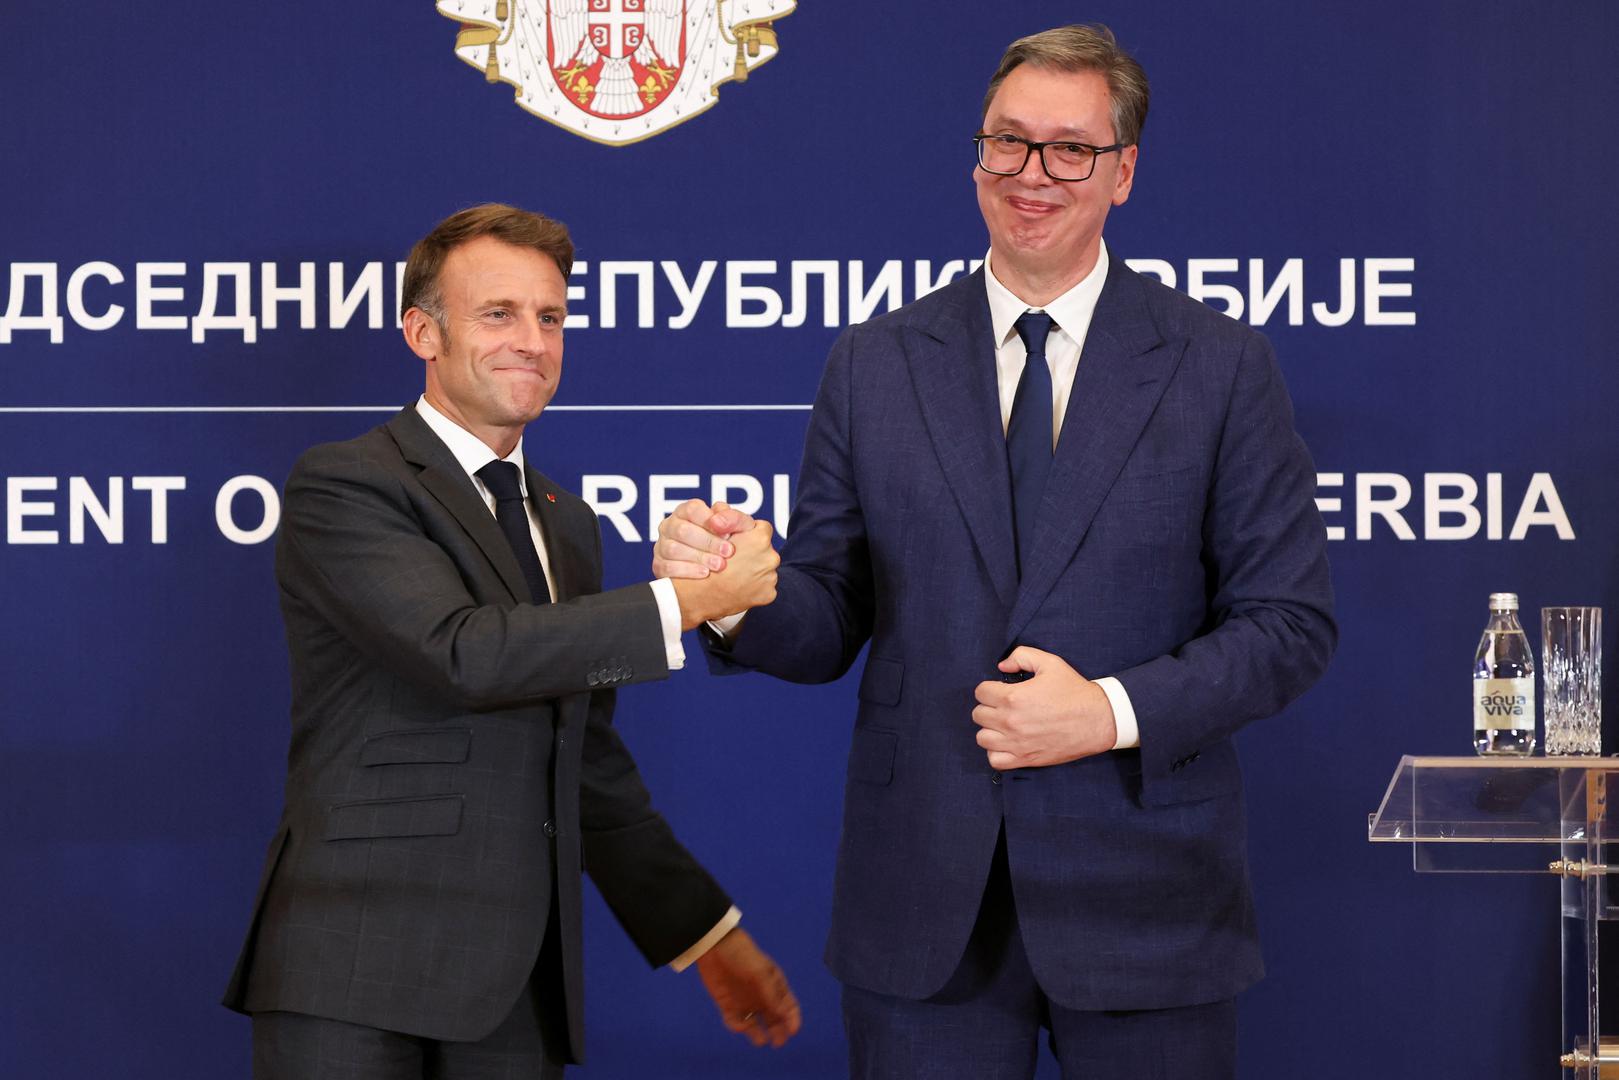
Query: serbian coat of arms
[616, 71]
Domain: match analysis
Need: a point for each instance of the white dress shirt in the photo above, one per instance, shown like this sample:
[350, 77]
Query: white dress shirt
[1071, 312]
[472, 454]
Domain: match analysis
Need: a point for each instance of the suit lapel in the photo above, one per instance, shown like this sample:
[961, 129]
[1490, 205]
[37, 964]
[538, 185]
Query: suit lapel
[1123, 371]
[444, 478]
[951, 354]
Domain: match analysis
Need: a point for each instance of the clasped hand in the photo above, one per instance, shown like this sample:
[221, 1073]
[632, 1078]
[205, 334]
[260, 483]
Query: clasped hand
[720, 560]
[728, 567]
[1053, 717]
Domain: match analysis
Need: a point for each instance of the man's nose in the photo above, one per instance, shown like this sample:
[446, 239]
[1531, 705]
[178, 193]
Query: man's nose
[1034, 172]
[530, 339]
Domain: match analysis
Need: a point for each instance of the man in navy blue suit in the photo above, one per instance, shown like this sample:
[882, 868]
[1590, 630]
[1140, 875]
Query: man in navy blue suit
[1067, 508]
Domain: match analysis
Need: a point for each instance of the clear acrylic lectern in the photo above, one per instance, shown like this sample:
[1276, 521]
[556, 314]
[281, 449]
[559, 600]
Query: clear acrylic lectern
[1523, 816]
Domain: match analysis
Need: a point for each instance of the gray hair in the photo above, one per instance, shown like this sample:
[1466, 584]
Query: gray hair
[1083, 47]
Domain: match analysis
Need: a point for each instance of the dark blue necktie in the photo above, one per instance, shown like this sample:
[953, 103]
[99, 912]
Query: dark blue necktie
[501, 478]
[1028, 431]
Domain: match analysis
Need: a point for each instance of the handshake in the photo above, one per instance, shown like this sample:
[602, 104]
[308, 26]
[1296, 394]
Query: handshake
[719, 559]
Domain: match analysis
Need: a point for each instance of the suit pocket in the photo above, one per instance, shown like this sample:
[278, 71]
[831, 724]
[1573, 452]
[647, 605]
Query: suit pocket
[1207, 774]
[438, 815]
[880, 683]
[442, 746]
[871, 756]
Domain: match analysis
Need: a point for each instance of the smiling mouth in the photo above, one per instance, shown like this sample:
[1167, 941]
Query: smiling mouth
[1028, 206]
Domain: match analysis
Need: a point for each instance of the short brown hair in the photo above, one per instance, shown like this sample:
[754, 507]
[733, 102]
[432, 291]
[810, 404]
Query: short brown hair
[1083, 47]
[521, 228]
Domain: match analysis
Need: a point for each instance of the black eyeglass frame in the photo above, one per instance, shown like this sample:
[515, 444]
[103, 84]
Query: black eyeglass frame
[1029, 147]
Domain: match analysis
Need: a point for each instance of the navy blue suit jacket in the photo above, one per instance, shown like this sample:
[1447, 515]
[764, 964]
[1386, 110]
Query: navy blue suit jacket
[1178, 549]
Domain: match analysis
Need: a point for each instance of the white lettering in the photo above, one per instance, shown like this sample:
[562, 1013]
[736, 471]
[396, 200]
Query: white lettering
[660, 504]
[271, 296]
[1157, 268]
[159, 486]
[1199, 289]
[722, 485]
[241, 320]
[49, 317]
[75, 296]
[610, 273]
[109, 518]
[1289, 284]
[1541, 493]
[738, 294]
[341, 305]
[926, 283]
[801, 271]
[580, 321]
[19, 507]
[226, 520]
[690, 296]
[615, 510]
[1368, 505]
[1346, 292]
[147, 293]
[1376, 290]
[1330, 505]
[886, 288]
[1436, 505]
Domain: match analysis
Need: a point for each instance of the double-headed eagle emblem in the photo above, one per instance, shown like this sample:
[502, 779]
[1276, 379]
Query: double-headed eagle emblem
[616, 71]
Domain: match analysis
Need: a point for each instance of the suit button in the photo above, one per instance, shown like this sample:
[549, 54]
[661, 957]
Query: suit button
[550, 828]
[592, 679]
[995, 778]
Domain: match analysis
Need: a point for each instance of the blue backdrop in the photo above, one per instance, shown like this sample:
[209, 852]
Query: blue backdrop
[1459, 159]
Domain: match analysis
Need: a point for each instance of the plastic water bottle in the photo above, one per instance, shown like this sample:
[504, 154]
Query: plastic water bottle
[1504, 683]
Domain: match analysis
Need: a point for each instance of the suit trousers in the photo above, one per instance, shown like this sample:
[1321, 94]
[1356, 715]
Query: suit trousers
[530, 1044]
[986, 1022]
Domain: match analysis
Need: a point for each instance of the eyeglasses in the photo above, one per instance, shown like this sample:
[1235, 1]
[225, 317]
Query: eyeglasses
[1008, 155]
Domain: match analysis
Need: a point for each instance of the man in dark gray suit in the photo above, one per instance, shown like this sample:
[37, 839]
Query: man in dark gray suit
[452, 764]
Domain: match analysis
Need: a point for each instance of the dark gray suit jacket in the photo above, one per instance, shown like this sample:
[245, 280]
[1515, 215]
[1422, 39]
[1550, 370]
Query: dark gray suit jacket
[452, 763]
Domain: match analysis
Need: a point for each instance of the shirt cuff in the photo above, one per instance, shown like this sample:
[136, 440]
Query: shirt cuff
[663, 591]
[726, 627]
[1124, 715]
[726, 924]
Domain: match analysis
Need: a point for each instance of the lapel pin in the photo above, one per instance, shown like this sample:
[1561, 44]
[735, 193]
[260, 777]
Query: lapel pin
[550, 497]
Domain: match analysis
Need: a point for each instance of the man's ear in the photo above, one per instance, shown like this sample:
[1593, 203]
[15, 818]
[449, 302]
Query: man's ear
[422, 334]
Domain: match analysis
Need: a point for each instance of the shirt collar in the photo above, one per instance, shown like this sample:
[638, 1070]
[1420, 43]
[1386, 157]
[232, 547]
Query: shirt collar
[470, 452]
[1071, 311]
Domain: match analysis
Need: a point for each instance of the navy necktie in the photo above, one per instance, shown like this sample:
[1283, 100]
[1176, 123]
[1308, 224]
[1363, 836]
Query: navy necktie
[501, 478]
[1028, 431]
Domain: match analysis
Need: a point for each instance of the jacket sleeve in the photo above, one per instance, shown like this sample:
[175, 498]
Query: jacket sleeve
[823, 611]
[353, 548]
[1271, 630]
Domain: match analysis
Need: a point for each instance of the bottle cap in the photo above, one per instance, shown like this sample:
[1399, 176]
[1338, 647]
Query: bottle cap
[1503, 601]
